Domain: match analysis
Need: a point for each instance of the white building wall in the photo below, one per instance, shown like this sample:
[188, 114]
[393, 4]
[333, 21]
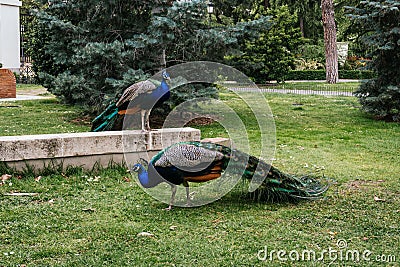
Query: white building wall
[10, 34]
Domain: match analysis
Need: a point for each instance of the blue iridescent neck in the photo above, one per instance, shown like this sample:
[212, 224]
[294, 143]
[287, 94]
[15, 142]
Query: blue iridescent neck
[143, 176]
[164, 84]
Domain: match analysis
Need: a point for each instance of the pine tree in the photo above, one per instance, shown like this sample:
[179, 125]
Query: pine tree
[271, 56]
[89, 51]
[380, 23]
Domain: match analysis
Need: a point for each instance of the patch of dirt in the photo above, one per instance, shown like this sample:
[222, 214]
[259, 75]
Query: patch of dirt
[200, 121]
[362, 184]
[157, 122]
[85, 120]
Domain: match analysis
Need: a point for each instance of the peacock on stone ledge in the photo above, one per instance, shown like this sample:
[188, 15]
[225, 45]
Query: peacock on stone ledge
[139, 97]
[199, 162]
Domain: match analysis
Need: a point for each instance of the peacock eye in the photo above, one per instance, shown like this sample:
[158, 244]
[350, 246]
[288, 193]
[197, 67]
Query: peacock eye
[135, 168]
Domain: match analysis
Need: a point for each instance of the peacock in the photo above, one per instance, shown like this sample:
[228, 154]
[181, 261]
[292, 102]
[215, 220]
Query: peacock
[198, 162]
[141, 96]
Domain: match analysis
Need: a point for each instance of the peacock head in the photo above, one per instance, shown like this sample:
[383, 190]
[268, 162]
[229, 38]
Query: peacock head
[136, 167]
[141, 165]
[140, 169]
[165, 75]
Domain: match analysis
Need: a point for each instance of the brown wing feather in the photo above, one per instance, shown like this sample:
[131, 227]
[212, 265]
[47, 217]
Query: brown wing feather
[214, 173]
[129, 111]
[202, 178]
[134, 90]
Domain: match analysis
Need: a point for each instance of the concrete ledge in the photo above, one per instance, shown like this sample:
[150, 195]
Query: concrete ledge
[84, 149]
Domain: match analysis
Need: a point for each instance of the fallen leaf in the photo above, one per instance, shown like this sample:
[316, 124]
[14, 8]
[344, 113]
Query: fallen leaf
[37, 179]
[173, 227]
[126, 179]
[377, 199]
[5, 177]
[51, 201]
[365, 238]
[145, 234]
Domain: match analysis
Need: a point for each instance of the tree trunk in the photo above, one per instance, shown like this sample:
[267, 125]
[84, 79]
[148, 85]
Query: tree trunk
[163, 60]
[331, 54]
[302, 26]
[266, 4]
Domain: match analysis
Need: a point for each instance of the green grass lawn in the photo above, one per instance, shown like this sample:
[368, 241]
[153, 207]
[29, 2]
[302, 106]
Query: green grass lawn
[46, 116]
[95, 218]
[26, 87]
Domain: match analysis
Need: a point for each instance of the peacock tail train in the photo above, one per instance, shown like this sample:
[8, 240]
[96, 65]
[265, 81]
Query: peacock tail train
[106, 120]
[276, 185]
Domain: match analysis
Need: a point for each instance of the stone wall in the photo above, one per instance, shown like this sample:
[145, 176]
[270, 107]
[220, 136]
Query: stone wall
[8, 85]
[87, 149]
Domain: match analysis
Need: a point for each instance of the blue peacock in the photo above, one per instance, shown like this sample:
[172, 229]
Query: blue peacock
[139, 97]
[199, 162]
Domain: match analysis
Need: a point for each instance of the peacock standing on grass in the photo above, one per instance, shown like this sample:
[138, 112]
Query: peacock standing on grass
[141, 96]
[199, 162]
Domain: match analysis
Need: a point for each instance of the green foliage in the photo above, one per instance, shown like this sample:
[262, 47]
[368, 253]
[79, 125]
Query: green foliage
[88, 52]
[356, 63]
[308, 16]
[272, 55]
[311, 53]
[183, 93]
[345, 29]
[308, 64]
[321, 74]
[380, 22]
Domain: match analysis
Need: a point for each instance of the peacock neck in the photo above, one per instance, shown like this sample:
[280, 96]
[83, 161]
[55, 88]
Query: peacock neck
[164, 85]
[143, 176]
[149, 180]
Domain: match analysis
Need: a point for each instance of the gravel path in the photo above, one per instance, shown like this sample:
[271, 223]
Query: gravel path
[29, 94]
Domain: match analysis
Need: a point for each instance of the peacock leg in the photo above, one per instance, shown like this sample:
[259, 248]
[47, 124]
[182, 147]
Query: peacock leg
[143, 113]
[147, 120]
[188, 202]
[173, 189]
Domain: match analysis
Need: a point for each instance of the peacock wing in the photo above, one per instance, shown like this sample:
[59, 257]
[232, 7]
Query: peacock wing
[187, 156]
[136, 89]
